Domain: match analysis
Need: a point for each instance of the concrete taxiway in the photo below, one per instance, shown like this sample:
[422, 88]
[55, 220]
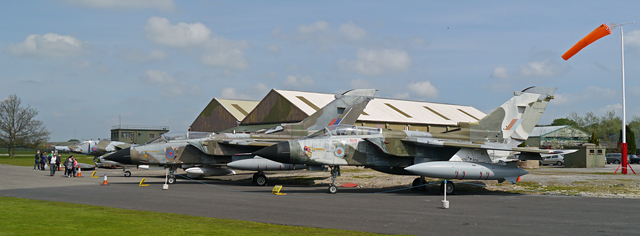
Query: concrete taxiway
[402, 212]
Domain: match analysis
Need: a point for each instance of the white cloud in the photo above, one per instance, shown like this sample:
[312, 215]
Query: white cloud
[404, 95]
[322, 36]
[217, 51]
[378, 61]
[137, 55]
[500, 72]
[298, 81]
[273, 49]
[632, 39]
[360, 84]
[591, 93]
[158, 77]
[230, 59]
[424, 89]
[541, 68]
[318, 26]
[165, 5]
[617, 107]
[562, 99]
[230, 93]
[352, 31]
[171, 88]
[48, 45]
[255, 92]
[160, 31]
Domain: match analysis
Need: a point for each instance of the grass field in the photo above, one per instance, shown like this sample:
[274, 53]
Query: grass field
[57, 218]
[33, 217]
[22, 160]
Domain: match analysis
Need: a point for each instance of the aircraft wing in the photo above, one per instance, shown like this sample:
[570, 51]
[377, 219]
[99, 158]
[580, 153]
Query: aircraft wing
[526, 153]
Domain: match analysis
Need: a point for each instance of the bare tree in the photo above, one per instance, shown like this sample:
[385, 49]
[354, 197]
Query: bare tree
[18, 126]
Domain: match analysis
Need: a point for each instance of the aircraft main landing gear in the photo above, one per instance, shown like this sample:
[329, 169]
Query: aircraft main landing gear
[259, 179]
[335, 172]
[420, 181]
[450, 188]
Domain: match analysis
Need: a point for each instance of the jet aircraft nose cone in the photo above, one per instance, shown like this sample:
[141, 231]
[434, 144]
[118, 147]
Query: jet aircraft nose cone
[280, 152]
[122, 156]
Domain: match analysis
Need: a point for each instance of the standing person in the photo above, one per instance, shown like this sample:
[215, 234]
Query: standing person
[58, 160]
[68, 165]
[43, 160]
[75, 166]
[37, 165]
[52, 165]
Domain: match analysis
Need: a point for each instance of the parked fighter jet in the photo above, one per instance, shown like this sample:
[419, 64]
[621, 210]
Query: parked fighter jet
[210, 155]
[479, 147]
[97, 147]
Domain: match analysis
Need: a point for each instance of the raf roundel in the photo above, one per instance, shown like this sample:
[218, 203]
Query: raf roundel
[94, 149]
[171, 153]
[339, 152]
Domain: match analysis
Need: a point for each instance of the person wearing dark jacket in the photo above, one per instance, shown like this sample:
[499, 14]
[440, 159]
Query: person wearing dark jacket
[37, 165]
[58, 160]
[43, 160]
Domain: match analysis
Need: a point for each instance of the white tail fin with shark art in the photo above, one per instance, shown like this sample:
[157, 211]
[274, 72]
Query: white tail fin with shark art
[513, 121]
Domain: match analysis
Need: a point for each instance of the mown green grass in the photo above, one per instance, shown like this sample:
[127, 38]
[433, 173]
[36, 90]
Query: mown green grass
[33, 217]
[29, 160]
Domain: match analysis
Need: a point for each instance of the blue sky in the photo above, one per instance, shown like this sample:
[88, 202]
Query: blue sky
[83, 63]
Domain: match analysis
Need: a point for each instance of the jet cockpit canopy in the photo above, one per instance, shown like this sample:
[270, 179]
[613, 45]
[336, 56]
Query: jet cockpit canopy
[341, 130]
[168, 137]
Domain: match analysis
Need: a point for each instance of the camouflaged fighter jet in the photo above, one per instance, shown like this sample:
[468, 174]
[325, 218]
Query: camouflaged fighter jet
[210, 155]
[473, 151]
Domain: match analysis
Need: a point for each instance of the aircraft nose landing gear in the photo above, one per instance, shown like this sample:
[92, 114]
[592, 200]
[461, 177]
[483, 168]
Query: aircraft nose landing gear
[335, 172]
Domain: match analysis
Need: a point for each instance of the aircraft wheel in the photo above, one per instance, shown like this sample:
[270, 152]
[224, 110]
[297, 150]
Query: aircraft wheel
[127, 174]
[333, 189]
[418, 182]
[260, 180]
[171, 180]
[450, 188]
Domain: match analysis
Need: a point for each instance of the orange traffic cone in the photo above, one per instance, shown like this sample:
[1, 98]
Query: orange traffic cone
[518, 179]
[104, 180]
[59, 168]
[79, 172]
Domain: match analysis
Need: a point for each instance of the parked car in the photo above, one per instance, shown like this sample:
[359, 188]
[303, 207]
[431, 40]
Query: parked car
[552, 160]
[615, 158]
[634, 159]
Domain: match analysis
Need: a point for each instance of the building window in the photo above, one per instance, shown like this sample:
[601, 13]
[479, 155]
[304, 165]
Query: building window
[151, 136]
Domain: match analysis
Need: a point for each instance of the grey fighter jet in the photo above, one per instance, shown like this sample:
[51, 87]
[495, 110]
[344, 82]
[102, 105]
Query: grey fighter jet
[210, 155]
[474, 151]
[97, 147]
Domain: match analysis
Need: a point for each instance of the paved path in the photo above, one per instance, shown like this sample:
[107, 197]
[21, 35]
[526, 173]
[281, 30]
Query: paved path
[402, 212]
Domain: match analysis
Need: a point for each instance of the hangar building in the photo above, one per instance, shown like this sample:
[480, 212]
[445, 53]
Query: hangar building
[136, 134]
[556, 137]
[221, 114]
[286, 106]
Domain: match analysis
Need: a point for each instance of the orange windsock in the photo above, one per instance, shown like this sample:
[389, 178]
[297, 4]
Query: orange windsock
[601, 31]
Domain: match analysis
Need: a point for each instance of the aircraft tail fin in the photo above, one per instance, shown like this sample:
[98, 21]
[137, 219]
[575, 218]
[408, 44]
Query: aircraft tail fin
[345, 109]
[514, 120]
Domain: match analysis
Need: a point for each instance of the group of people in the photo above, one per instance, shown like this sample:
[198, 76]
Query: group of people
[53, 160]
